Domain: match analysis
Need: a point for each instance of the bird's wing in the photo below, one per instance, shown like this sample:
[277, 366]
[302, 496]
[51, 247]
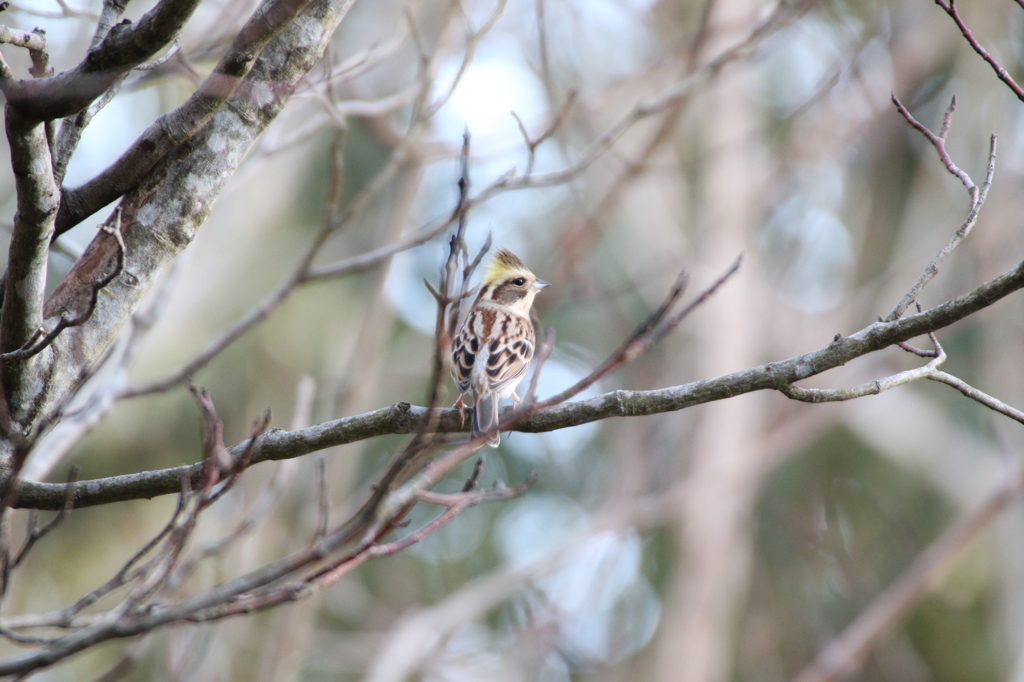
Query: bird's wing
[464, 357]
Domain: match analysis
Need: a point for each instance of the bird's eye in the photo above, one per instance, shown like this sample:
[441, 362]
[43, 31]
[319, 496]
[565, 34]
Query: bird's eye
[519, 281]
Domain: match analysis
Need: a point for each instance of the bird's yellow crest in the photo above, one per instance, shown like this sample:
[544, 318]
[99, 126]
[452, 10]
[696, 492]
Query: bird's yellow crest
[503, 265]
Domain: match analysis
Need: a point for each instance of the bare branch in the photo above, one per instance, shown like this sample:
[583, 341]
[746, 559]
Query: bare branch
[543, 353]
[977, 195]
[404, 418]
[445, 324]
[930, 371]
[162, 59]
[171, 129]
[939, 142]
[66, 12]
[783, 13]
[646, 335]
[99, 390]
[950, 8]
[112, 10]
[976, 395]
[155, 238]
[323, 500]
[38, 197]
[35, 43]
[123, 48]
[556, 123]
[816, 395]
[306, 272]
[473, 38]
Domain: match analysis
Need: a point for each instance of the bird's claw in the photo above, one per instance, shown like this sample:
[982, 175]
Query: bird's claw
[460, 405]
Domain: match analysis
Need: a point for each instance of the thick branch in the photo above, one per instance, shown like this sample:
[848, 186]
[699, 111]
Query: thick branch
[403, 418]
[173, 128]
[124, 47]
[162, 215]
[38, 197]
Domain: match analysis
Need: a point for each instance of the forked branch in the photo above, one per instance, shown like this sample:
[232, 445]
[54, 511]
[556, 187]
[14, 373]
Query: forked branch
[977, 195]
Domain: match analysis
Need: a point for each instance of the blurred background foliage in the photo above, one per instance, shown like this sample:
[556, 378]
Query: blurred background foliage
[729, 541]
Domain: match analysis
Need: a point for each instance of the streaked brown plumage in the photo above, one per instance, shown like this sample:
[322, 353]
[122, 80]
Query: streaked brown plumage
[495, 344]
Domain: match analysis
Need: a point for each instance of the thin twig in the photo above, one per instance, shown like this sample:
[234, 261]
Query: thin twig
[930, 371]
[240, 464]
[976, 395]
[323, 500]
[37, 534]
[977, 195]
[444, 298]
[556, 122]
[455, 506]
[920, 352]
[539, 360]
[950, 9]
[818, 395]
[646, 335]
[939, 141]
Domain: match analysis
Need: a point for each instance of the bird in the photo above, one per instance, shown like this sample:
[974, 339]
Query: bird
[495, 344]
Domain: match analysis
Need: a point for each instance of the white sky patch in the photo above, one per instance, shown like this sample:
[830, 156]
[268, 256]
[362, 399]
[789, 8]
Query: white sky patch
[815, 255]
[113, 129]
[61, 33]
[487, 94]
[798, 61]
[592, 43]
[809, 246]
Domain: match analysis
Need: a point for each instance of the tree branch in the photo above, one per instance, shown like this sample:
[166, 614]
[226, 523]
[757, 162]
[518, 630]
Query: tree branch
[403, 418]
[112, 9]
[38, 197]
[30, 41]
[124, 47]
[171, 129]
[977, 195]
[950, 9]
[161, 215]
[305, 272]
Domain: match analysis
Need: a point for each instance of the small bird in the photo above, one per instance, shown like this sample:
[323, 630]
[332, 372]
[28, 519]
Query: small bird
[495, 344]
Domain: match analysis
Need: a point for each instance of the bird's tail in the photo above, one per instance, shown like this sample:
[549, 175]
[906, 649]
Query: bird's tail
[485, 418]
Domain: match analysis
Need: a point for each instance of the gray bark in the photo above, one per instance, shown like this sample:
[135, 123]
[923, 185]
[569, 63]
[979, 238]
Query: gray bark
[162, 214]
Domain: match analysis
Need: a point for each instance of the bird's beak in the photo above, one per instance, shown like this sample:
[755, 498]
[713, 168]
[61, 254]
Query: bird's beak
[541, 284]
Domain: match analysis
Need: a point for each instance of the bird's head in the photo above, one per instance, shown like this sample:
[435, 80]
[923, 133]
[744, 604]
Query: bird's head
[509, 282]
